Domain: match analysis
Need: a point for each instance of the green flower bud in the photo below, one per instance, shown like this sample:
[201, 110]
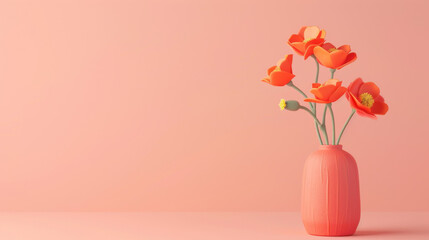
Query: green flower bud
[292, 105]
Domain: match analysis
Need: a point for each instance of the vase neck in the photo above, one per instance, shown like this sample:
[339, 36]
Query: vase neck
[331, 147]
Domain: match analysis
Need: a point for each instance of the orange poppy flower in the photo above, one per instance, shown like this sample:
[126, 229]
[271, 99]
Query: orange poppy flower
[304, 42]
[328, 92]
[336, 58]
[281, 74]
[366, 99]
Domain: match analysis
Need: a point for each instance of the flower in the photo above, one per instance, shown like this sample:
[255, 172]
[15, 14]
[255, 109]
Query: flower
[328, 92]
[290, 105]
[336, 58]
[304, 42]
[282, 104]
[366, 99]
[281, 74]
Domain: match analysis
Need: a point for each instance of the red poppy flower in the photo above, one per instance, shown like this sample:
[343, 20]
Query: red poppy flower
[366, 99]
[336, 58]
[328, 92]
[281, 74]
[304, 42]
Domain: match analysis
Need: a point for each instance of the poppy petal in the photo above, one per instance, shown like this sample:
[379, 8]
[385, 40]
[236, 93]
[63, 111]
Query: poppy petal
[371, 88]
[379, 108]
[310, 45]
[352, 100]
[316, 41]
[297, 51]
[379, 99]
[328, 46]
[311, 32]
[315, 85]
[345, 48]
[350, 58]
[355, 85]
[322, 34]
[326, 91]
[301, 32]
[338, 84]
[309, 52]
[337, 94]
[267, 80]
[299, 47]
[280, 78]
[338, 57]
[323, 56]
[295, 38]
[271, 69]
[333, 82]
[315, 92]
[365, 114]
[286, 63]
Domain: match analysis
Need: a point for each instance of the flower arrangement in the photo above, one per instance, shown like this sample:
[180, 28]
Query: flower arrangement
[364, 97]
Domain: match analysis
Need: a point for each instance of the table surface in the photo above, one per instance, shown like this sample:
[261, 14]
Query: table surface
[198, 226]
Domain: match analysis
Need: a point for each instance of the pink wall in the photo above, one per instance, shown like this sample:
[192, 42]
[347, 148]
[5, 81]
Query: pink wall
[149, 105]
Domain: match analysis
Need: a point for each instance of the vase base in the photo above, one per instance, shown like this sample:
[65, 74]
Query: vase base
[331, 235]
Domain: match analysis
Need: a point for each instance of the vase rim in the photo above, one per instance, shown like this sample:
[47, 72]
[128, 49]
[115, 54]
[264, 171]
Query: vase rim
[339, 147]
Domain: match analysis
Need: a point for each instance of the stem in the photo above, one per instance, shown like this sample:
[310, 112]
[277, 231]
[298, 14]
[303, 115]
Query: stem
[317, 65]
[315, 104]
[312, 114]
[300, 91]
[317, 126]
[323, 126]
[345, 125]
[313, 108]
[333, 123]
[332, 72]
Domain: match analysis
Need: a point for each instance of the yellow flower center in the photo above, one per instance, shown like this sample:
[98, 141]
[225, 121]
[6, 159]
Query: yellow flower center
[366, 99]
[307, 40]
[331, 49]
[277, 69]
[282, 104]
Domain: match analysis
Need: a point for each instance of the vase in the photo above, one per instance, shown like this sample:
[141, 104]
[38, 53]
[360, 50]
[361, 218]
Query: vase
[330, 192]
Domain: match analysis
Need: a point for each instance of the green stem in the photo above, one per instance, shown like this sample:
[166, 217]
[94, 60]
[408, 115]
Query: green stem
[317, 65]
[312, 114]
[333, 122]
[317, 126]
[332, 72]
[323, 126]
[313, 107]
[290, 84]
[345, 125]
[315, 104]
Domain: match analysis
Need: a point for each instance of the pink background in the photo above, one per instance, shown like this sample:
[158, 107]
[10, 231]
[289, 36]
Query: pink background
[158, 105]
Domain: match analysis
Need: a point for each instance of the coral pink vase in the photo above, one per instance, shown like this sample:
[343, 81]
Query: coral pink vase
[330, 193]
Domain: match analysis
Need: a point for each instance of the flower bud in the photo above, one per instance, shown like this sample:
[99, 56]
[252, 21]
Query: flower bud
[290, 105]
